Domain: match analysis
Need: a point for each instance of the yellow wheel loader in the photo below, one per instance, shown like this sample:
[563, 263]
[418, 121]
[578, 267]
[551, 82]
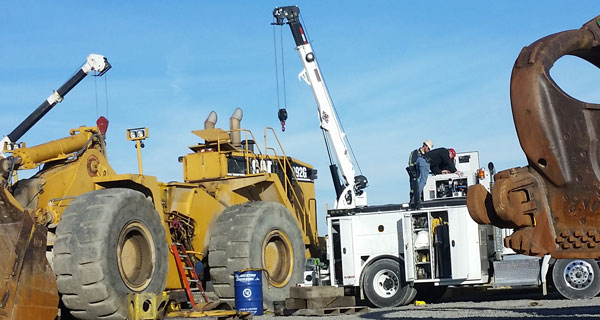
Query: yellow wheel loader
[107, 235]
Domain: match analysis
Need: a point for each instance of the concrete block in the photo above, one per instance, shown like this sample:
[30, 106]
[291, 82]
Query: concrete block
[330, 302]
[316, 292]
[294, 303]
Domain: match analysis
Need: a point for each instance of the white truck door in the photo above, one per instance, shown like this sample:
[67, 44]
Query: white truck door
[347, 248]
[405, 246]
[459, 251]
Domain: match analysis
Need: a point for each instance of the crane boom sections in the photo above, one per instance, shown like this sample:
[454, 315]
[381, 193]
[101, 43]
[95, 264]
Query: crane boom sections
[350, 193]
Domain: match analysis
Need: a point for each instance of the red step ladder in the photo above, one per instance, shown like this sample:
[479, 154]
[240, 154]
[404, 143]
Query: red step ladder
[187, 273]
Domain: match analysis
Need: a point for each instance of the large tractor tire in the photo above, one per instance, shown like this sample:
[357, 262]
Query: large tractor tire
[109, 243]
[576, 279]
[262, 235]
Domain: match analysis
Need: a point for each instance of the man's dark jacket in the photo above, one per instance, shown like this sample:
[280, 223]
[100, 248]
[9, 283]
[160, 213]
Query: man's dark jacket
[439, 160]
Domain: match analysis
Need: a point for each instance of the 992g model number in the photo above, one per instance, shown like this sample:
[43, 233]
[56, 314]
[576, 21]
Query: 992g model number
[300, 172]
[238, 166]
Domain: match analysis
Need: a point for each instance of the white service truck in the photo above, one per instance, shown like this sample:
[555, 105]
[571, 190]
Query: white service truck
[390, 253]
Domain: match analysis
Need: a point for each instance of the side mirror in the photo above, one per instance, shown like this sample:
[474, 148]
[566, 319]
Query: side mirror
[491, 168]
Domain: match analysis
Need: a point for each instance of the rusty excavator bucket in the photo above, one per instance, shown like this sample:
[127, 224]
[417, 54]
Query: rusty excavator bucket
[553, 203]
[28, 285]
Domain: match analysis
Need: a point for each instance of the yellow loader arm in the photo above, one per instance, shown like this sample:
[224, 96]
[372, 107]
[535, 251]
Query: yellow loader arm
[28, 288]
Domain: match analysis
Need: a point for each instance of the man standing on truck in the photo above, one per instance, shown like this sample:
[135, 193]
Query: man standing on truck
[418, 169]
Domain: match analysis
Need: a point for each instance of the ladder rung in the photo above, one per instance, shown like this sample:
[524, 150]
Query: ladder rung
[188, 268]
[183, 255]
[177, 243]
[194, 289]
[192, 280]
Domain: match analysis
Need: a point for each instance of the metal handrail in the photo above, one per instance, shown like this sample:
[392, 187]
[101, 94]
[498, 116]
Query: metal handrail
[286, 179]
[287, 185]
[246, 151]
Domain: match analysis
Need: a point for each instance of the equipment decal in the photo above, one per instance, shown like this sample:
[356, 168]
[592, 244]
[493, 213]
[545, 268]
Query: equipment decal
[238, 166]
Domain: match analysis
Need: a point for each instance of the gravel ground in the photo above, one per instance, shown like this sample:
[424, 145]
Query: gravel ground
[492, 304]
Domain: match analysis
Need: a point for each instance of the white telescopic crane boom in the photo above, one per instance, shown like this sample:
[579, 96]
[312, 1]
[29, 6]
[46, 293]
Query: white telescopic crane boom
[350, 192]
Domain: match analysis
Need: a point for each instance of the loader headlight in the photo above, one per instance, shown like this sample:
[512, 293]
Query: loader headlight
[137, 134]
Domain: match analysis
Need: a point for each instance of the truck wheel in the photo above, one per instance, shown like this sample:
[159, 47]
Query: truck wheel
[109, 243]
[384, 284]
[262, 235]
[412, 294]
[576, 279]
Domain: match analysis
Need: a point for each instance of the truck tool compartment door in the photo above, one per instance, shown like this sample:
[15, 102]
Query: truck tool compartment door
[347, 248]
[459, 254]
[464, 244]
[343, 251]
[405, 244]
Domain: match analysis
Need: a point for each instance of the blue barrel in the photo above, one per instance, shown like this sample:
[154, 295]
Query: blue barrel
[248, 291]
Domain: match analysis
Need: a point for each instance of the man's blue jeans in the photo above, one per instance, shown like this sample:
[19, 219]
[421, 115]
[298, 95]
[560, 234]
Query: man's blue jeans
[423, 169]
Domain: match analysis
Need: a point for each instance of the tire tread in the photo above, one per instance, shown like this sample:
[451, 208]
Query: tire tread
[78, 262]
[230, 247]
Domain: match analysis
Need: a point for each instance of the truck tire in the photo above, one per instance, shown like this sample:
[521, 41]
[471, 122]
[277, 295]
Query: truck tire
[109, 243]
[261, 235]
[576, 279]
[384, 284]
[410, 297]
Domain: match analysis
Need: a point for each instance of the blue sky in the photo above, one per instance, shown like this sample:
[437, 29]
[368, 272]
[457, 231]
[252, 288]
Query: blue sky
[399, 72]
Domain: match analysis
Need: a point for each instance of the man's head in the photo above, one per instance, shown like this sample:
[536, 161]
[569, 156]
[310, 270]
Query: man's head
[427, 145]
[451, 153]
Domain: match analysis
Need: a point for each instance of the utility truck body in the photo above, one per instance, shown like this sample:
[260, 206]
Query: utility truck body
[392, 253]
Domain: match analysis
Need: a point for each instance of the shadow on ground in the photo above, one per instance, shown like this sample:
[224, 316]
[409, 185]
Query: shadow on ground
[540, 306]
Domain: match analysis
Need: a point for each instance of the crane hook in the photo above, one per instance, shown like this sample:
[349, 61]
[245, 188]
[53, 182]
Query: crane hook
[282, 115]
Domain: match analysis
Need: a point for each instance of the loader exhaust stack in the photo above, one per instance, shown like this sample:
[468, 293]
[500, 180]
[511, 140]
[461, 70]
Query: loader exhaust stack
[211, 120]
[234, 124]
